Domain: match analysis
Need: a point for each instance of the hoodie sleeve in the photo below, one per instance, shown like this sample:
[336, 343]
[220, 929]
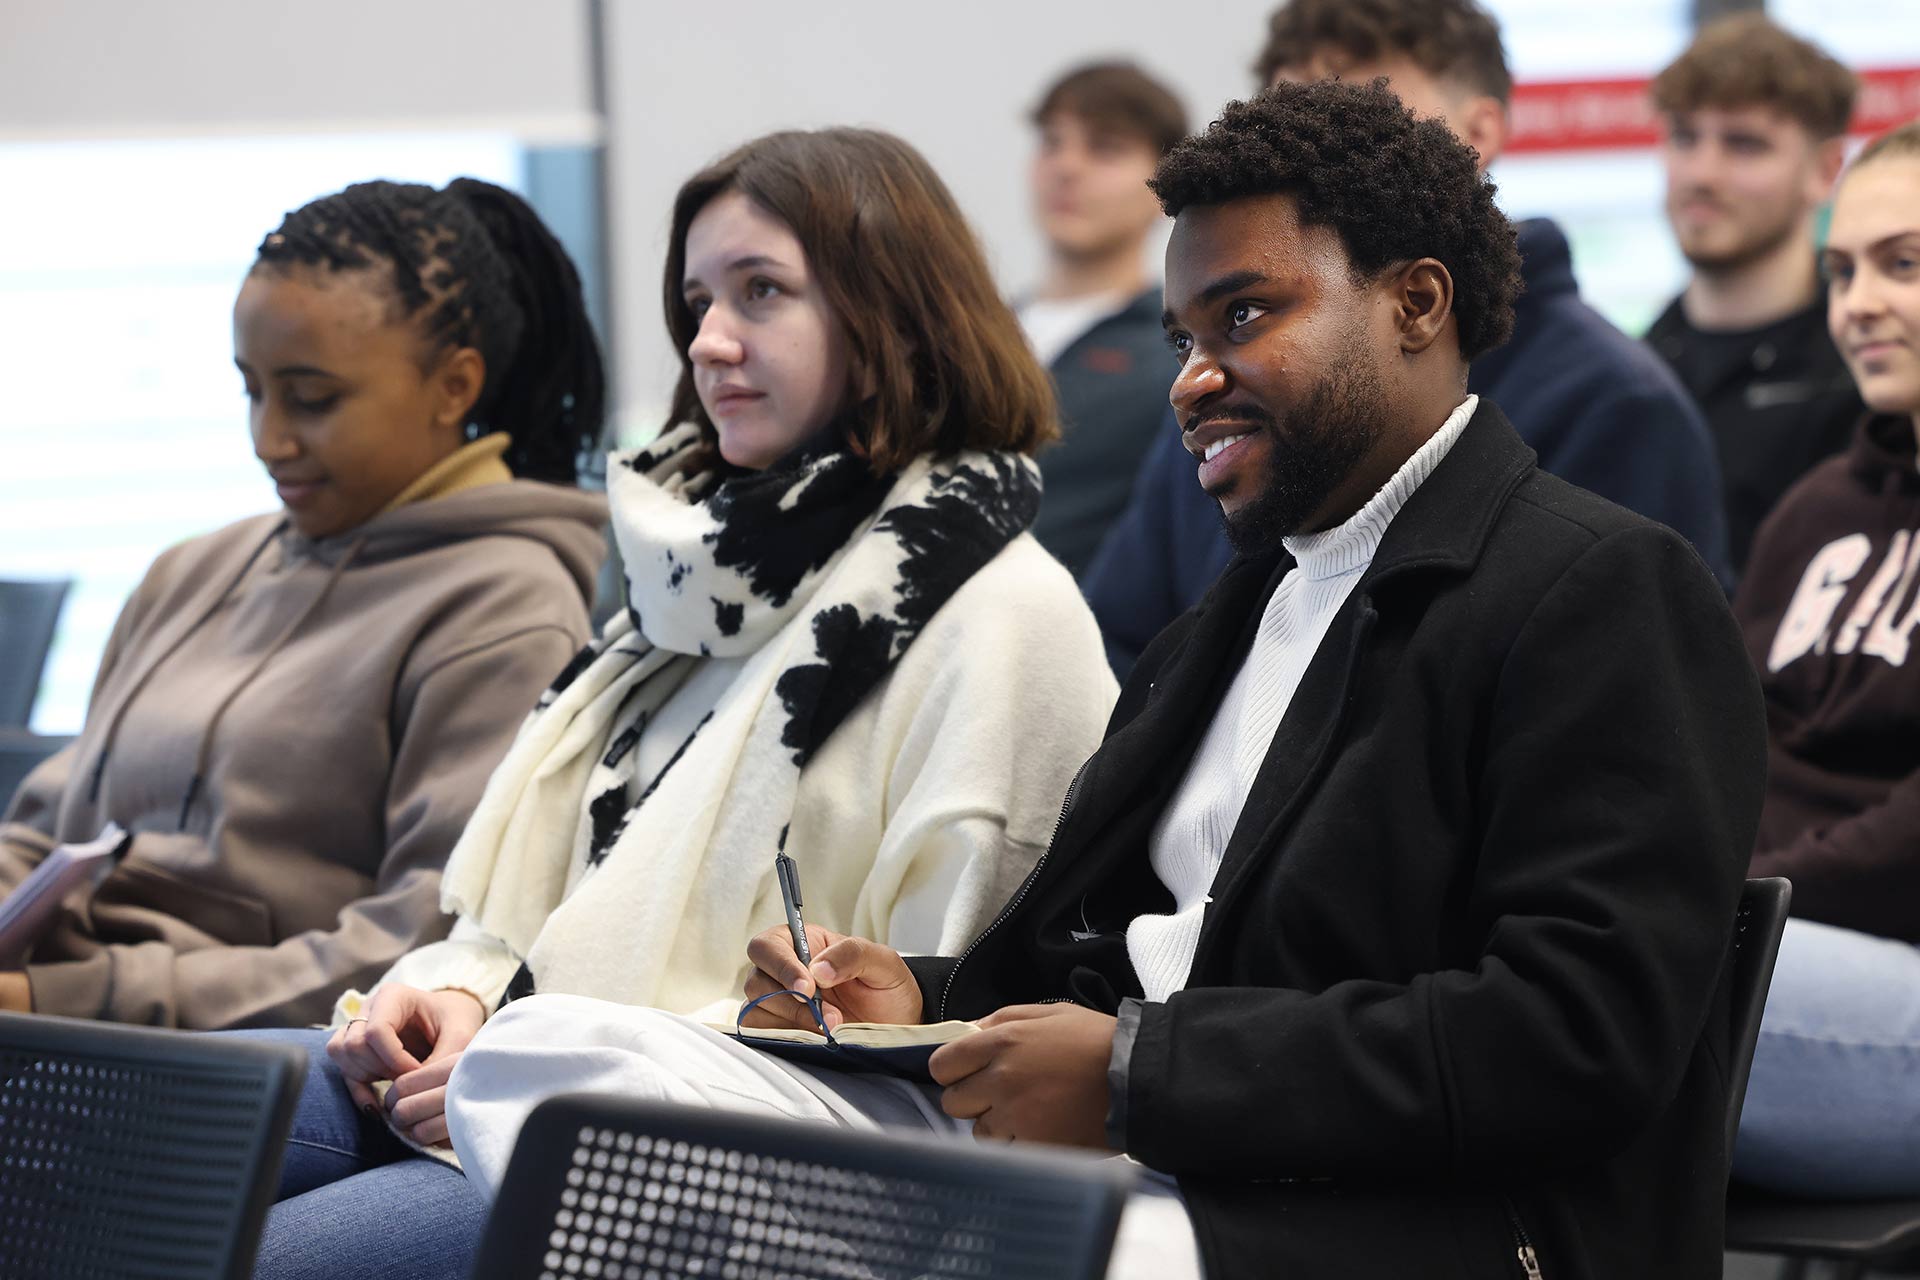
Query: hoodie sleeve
[1860, 873]
[452, 725]
[27, 836]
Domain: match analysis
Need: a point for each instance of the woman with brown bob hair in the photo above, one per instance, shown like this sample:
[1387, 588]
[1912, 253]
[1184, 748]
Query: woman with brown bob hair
[840, 643]
[901, 271]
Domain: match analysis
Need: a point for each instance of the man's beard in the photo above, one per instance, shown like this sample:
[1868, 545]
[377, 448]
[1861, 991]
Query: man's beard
[1753, 245]
[1325, 438]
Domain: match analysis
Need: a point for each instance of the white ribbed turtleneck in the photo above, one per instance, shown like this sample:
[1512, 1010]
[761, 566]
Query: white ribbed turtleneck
[1191, 837]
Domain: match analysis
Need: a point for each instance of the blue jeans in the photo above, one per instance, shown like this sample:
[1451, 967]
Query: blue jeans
[356, 1203]
[1833, 1106]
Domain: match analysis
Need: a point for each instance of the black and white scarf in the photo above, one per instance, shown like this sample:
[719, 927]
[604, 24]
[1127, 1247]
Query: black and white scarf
[818, 575]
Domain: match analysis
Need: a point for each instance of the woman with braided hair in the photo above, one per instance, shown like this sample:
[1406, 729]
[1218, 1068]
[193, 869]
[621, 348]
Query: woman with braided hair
[840, 640]
[296, 715]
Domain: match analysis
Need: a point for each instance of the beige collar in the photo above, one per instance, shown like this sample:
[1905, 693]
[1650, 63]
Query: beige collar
[468, 467]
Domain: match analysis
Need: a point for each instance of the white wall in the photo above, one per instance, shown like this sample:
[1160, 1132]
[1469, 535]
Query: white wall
[148, 68]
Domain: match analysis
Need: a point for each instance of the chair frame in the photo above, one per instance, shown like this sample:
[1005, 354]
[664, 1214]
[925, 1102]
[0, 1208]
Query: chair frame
[1856, 1235]
[44, 599]
[1758, 925]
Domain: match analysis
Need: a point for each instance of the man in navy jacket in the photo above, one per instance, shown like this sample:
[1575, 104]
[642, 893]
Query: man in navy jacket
[1600, 409]
[1094, 316]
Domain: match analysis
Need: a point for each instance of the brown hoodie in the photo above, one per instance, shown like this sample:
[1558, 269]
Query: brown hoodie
[296, 732]
[1830, 605]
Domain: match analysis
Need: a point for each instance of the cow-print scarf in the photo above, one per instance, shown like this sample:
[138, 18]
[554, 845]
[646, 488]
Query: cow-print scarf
[818, 576]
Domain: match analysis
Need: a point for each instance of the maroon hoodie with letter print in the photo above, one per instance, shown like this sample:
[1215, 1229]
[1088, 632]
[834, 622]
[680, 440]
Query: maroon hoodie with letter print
[1830, 607]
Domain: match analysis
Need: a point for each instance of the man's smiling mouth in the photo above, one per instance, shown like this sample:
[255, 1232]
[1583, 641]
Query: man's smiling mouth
[1218, 446]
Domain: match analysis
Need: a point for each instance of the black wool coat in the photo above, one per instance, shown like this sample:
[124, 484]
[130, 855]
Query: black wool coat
[1462, 984]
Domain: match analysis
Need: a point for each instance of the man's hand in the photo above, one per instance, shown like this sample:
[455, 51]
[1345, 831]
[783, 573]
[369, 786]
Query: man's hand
[410, 1037]
[1033, 1072]
[16, 993]
[857, 980]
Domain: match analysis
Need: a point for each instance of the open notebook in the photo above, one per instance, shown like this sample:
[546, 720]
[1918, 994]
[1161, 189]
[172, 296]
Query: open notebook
[889, 1048]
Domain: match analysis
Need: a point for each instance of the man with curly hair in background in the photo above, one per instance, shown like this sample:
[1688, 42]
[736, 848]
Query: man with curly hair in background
[1387, 928]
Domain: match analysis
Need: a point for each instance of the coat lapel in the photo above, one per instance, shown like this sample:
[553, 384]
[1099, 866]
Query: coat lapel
[1443, 527]
[1145, 756]
[1296, 757]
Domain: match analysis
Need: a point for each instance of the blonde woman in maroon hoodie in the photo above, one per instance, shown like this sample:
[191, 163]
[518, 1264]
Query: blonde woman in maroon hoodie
[296, 714]
[1831, 609]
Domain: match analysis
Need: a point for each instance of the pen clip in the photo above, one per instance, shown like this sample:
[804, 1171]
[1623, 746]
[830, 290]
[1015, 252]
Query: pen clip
[784, 868]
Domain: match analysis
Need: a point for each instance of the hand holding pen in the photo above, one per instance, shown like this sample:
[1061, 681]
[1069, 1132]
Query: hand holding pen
[852, 979]
[805, 989]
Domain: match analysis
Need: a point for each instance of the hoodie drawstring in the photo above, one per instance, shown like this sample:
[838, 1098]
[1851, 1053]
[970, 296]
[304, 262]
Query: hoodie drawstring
[286, 633]
[120, 712]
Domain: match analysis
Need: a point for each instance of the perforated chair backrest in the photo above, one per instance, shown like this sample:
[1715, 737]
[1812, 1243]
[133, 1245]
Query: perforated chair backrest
[29, 614]
[1757, 926]
[619, 1189]
[132, 1152]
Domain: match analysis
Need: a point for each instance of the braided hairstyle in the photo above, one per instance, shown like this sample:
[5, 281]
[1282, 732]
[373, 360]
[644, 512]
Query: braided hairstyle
[474, 266]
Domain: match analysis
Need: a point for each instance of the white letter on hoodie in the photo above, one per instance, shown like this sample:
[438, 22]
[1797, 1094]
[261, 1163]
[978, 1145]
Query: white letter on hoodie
[1887, 638]
[1817, 598]
[1891, 569]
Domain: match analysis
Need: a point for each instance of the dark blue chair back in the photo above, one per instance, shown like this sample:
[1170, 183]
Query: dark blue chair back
[29, 614]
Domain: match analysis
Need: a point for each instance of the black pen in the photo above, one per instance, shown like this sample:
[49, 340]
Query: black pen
[789, 875]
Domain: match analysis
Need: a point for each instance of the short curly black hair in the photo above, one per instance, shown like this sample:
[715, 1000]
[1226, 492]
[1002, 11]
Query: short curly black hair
[1355, 160]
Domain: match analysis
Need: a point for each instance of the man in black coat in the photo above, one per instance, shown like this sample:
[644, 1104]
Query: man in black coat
[1391, 921]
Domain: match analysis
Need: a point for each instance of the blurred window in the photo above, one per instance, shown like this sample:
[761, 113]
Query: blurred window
[122, 424]
[1559, 40]
[1609, 202]
[1864, 34]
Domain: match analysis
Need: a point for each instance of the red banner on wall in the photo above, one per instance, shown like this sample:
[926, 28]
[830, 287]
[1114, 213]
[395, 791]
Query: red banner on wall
[1596, 115]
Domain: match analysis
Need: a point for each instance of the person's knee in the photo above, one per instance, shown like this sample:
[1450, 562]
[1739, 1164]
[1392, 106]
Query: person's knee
[529, 1026]
[1843, 986]
[530, 1020]
[313, 1040]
